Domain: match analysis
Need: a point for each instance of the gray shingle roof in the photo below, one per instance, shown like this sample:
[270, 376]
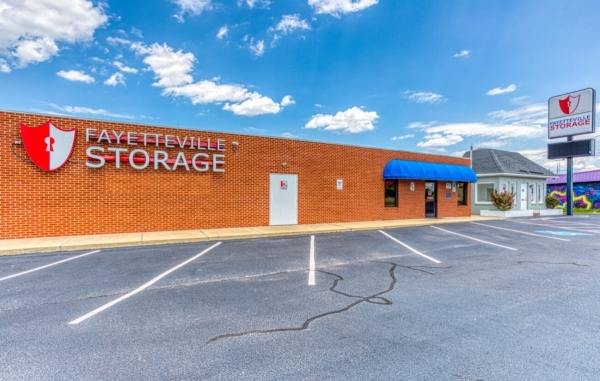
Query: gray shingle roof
[496, 161]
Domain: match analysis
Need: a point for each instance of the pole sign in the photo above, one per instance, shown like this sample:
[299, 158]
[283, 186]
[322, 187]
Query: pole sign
[572, 114]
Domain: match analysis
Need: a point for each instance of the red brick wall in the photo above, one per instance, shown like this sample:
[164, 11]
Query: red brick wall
[77, 200]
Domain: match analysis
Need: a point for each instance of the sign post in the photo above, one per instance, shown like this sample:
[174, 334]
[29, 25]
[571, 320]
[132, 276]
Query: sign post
[568, 115]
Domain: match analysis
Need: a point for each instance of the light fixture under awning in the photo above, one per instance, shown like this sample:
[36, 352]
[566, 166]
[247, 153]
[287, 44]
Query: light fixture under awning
[418, 170]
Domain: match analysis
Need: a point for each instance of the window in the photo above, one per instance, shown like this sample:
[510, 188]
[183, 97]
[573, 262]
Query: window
[532, 190]
[391, 192]
[484, 192]
[461, 189]
[504, 187]
[513, 190]
[540, 194]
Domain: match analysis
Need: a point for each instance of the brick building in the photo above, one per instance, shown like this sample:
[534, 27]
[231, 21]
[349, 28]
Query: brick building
[66, 176]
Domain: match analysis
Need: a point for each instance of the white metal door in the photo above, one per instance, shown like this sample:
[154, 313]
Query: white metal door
[523, 196]
[283, 199]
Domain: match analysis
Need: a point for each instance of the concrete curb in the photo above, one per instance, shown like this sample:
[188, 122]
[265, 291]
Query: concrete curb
[146, 239]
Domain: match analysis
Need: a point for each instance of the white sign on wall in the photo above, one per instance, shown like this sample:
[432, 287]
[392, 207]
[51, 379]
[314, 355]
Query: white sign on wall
[340, 184]
[572, 114]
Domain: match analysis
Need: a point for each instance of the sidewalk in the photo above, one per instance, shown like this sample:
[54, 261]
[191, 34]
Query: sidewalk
[85, 242]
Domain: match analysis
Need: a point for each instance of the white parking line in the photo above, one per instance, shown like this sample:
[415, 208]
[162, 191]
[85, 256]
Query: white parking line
[408, 247]
[51, 264]
[311, 266]
[580, 228]
[474, 239]
[520, 232]
[585, 227]
[141, 288]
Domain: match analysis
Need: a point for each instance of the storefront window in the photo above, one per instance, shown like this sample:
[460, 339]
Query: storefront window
[461, 189]
[484, 192]
[391, 193]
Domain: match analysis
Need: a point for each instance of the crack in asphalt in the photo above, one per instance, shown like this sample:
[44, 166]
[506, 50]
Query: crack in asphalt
[555, 263]
[373, 299]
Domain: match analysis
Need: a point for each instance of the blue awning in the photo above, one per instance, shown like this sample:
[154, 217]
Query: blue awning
[418, 170]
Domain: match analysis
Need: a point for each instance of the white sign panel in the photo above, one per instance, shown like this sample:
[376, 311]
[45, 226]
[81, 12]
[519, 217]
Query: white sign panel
[340, 184]
[572, 114]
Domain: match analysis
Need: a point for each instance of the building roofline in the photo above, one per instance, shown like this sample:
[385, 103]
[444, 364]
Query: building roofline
[223, 132]
[515, 175]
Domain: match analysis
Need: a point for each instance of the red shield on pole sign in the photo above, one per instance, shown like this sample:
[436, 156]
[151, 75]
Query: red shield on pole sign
[48, 146]
[569, 104]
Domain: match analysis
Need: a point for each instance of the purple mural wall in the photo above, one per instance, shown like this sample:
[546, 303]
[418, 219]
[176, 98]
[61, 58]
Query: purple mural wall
[585, 195]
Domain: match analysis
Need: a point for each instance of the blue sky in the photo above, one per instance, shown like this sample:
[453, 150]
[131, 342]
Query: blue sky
[422, 76]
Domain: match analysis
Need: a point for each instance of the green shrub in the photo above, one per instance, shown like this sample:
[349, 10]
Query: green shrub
[503, 200]
[551, 202]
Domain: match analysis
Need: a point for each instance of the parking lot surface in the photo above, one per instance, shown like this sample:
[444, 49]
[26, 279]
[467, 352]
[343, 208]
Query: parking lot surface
[498, 300]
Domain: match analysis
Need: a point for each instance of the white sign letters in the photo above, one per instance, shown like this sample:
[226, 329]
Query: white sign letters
[142, 149]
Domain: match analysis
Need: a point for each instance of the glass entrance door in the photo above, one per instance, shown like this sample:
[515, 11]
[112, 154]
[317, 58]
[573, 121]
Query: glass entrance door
[430, 199]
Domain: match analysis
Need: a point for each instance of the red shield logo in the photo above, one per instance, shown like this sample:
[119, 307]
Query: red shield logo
[48, 146]
[569, 104]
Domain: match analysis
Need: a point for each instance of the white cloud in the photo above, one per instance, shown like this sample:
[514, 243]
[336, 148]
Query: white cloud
[403, 137]
[424, 97]
[204, 92]
[527, 122]
[585, 163]
[318, 105]
[275, 40]
[287, 100]
[115, 79]
[89, 111]
[172, 71]
[137, 32]
[222, 32]
[500, 90]
[353, 120]
[117, 40]
[33, 51]
[256, 105]
[462, 53]
[76, 76]
[258, 48]
[522, 123]
[171, 68]
[520, 100]
[579, 163]
[192, 7]
[125, 69]
[337, 7]
[289, 135]
[499, 131]
[4, 68]
[436, 149]
[254, 129]
[30, 30]
[494, 143]
[256, 3]
[290, 23]
[421, 125]
[437, 140]
[536, 113]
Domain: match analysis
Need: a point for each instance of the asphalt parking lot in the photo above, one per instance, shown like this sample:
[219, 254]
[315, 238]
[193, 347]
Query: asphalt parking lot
[501, 300]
